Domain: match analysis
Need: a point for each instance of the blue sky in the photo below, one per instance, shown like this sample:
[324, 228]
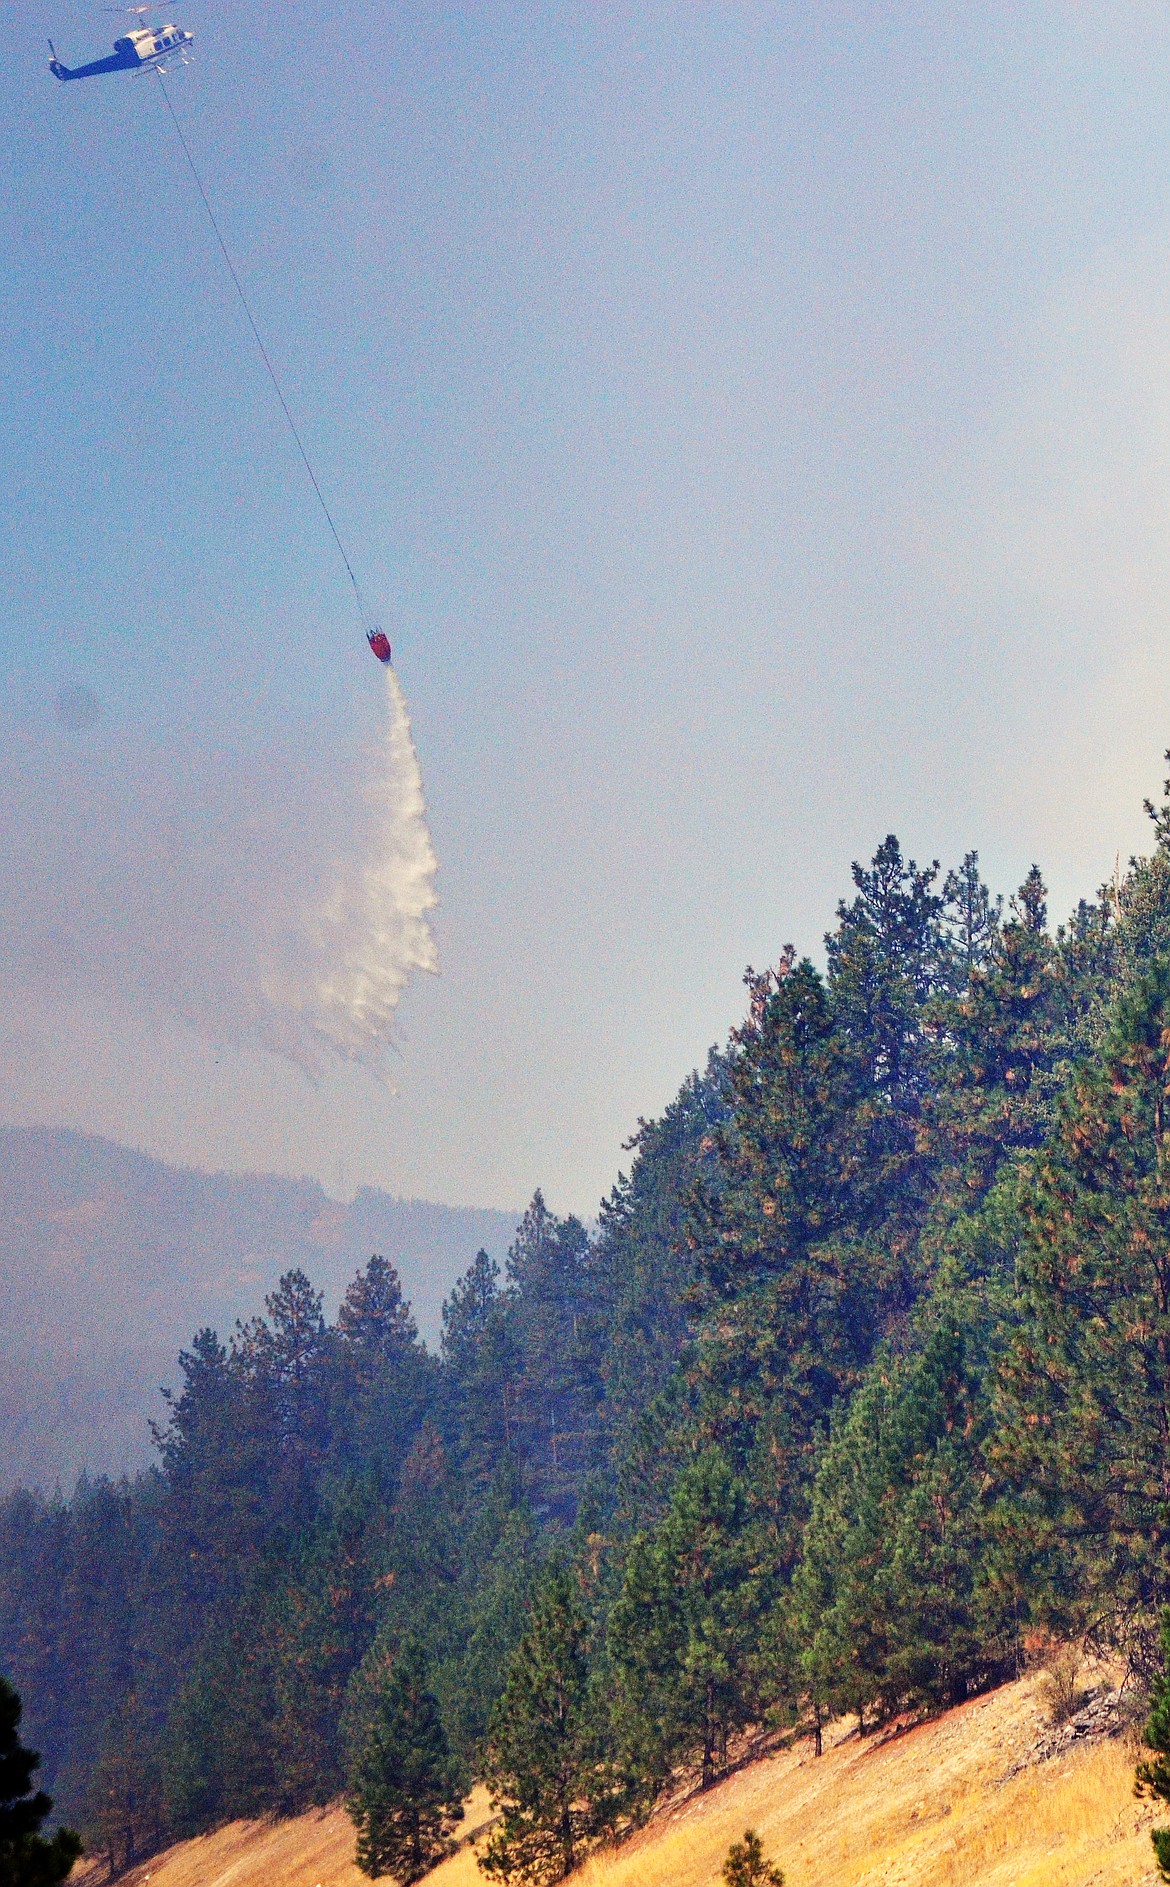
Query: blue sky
[753, 423]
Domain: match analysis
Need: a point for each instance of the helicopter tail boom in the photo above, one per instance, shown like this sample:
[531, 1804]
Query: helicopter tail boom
[120, 61]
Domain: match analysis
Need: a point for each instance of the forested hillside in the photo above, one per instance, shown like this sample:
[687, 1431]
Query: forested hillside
[859, 1390]
[111, 1259]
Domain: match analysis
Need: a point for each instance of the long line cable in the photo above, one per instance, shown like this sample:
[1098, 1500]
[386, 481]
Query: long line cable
[264, 354]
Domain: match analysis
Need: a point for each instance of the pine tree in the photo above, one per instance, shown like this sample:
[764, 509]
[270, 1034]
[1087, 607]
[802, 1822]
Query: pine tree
[745, 1865]
[323, 1604]
[500, 1550]
[545, 1764]
[1007, 1033]
[643, 1265]
[836, 1646]
[405, 1788]
[126, 1817]
[895, 1601]
[280, 1364]
[468, 1311]
[290, 1351]
[683, 1628]
[216, 1460]
[792, 1300]
[481, 1368]
[887, 961]
[27, 1858]
[1142, 901]
[1153, 1778]
[950, 1627]
[380, 1380]
[554, 1414]
[424, 1557]
[374, 1319]
[1084, 1432]
[971, 919]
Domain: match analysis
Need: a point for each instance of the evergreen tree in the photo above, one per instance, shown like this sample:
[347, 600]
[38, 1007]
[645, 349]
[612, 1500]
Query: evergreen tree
[644, 1265]
[887, 962]
[405, 1789]
[27, 1858]
[283, 1363]
[215, 1519]
[1153, 1778]
[382, 1384]
[126, 1813]
[1008, 1039]
[545, 1762]
[424, 1562]
[896, 1599]
[501, 1548]
[481, 1370]
[683, 1628]
[745, 1865]
[792, 1301]
[467, 1313]
[1142, 902]
[1084, 1436]
[374, 1320]
[556, 1410]
[971, 919]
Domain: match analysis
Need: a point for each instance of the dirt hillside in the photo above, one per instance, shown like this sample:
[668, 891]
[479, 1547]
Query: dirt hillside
[926, 1808]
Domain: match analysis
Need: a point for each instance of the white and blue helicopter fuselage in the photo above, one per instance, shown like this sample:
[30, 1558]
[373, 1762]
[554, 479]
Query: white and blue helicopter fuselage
[146, 48]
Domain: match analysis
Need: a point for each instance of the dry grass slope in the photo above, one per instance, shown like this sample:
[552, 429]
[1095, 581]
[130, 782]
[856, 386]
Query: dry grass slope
[923, 1809]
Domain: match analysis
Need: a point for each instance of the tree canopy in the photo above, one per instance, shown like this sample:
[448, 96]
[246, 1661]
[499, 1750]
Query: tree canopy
[861, 1376]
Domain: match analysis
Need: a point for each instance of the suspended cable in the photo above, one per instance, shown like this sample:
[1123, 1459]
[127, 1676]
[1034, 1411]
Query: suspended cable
[264, 355]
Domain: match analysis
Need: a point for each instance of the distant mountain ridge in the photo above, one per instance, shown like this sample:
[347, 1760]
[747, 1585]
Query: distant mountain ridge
[110, 1260]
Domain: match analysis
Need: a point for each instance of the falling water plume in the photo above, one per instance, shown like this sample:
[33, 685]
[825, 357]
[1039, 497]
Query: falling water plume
[374, 933]
[265, 893]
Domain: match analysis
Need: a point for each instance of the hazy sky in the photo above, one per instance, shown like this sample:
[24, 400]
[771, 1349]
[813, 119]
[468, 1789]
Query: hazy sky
[753, 423]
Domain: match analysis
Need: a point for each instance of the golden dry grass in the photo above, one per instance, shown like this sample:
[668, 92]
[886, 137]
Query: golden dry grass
[923, 1809]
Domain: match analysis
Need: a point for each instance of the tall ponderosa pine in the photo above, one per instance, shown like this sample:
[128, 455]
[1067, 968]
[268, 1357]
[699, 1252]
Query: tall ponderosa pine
[545, 1761]
[683, 1628]
[283, 1362]
[481, 1369]
[27, 1858]
[807, 1245]
[887, 961]
[644, 1266]
[970, 920]
[893, 1602]
[468, 1312]
[1084, 1440]
[553, 1416]
[789, 1314]
[126, 1812]
[380, 1379]
[1007, 1034]
[405, 1789]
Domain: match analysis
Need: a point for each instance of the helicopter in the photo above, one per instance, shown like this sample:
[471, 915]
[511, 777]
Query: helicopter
[143, 49]
[149, 48]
